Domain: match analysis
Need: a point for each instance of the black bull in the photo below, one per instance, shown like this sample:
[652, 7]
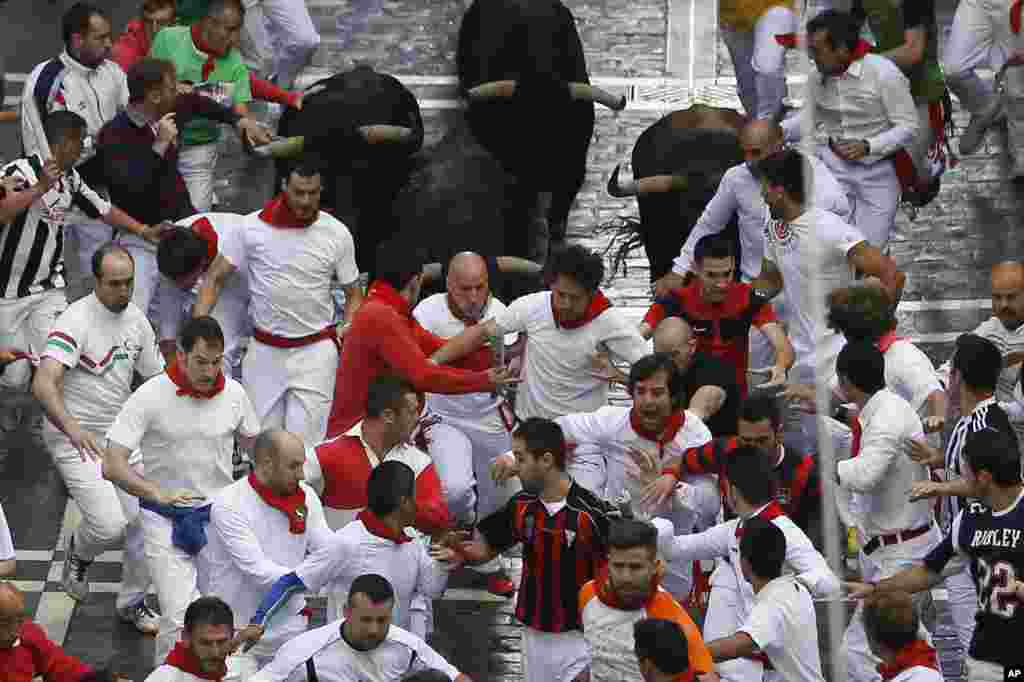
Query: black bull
[678, 163]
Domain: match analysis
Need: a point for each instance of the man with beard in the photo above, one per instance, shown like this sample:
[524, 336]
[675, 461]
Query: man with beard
[362, 646]
[485, 418]
[92, 355]
[206, 644]
[612, 603]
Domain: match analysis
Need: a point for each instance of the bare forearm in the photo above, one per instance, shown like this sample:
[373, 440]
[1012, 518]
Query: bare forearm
[117, 470]
[707, 401]
[463, 344]
[769, 283]
[49, 396]
[728, 648]
[937, 403]
[121, 220]
[911, 580]
[16, 202]
[207, 297]
[353, 300]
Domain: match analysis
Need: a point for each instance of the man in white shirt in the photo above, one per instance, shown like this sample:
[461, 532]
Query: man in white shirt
[565, 327]
[782, 624]
[183, 257]
[291, 252]
[862, 112]
[873, 485]
[261, 528]
[739, 196]
[92, 355]
[186, 422]
[809, 252]
[892, 625]
[661, 651]
[751, 493]
[364, 646]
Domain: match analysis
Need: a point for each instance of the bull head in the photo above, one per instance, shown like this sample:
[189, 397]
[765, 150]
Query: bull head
[658, 184]
[578, 91]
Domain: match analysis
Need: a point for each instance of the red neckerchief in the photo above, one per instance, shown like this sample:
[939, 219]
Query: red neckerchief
[185, 388]
[676, 420]
[182, 658]
[885, 342]
[609, 598]
[278, 213]
[857, 430]
[598, 304]
[688, 676]
[772, 511]
[211, 55]
[293, 506]
[790, 41]
[378, 528]
[918, 652]
[862, 48]
[389, 296]
[1015, 16]
[205, 231]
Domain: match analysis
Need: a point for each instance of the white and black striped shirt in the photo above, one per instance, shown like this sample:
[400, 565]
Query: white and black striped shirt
[32, 245]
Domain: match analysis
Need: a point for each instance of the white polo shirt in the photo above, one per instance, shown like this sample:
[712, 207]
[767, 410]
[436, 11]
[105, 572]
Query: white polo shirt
[785, 628]
[400, 654]
[291, 272]
[908, 373]
[250, 547]
[557, 374]
[480, 409]
[186, 442]
[101, 351]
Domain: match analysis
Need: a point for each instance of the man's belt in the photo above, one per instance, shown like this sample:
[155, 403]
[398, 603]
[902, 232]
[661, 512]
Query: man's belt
[895, 538]
[326, 334]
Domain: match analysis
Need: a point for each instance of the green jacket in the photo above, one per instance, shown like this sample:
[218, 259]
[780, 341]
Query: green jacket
[191, 11]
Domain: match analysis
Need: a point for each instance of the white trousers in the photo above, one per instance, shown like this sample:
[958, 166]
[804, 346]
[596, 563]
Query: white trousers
[110, 516]
[24, 325]
[197, 165]
[553, 656]
[279, 38]
[759, 62]
[175, 577]
[982, 671]
[292, 388]
[861, 664]
[963, 605]
[873, 191]
[980, 34]
[452, 454]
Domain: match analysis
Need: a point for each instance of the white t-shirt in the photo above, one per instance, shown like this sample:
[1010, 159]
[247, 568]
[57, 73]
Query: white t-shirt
[186, 442]
[101, 351]
[557, 374]
[481, 409]
[821, 236]
[6, 541]
[400, 654]
[908, 373]
[784, 626]
[291, 270]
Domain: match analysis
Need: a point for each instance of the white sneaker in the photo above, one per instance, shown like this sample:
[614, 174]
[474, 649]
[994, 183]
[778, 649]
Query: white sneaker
[142, 617]
[73, 576]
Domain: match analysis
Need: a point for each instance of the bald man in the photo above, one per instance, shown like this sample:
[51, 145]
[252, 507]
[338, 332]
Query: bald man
[261, 528]
[708, 383]
[25, 650]
[484, 418]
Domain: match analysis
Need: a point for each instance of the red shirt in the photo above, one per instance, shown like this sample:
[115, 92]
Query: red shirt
[385, 337]
[35, 655]
[722, 329]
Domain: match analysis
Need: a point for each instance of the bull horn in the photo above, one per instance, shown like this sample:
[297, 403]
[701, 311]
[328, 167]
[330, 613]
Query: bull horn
[621, 189]
[592, 93]
[518, 266]
[492, 90]
[385, 133]
[314, 90]
[282, 148]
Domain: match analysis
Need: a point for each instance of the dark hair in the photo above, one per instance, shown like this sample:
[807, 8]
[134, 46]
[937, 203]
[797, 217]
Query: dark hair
[208, 611]
[663, 643]
[584, 266]
[761, 406]
[714, 246]
[195, 328]
[649, 365]
[376, 588]
[101, 675]
[77, 18]
[890, 619]
[764, 546]
[397, 264]
[61, 124]
[154, 5]
[217, 7]
[750, 472]
[842, 28]
[863, 365]
[104, 251]
[861, 312]
[541, 436]
[180, 252]
[429, 675]
[387, 392]
[996, 452]
[389, 483]
[630, 533]
[978, 361]
[786, 169]
[305, 167]
[146, 74]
